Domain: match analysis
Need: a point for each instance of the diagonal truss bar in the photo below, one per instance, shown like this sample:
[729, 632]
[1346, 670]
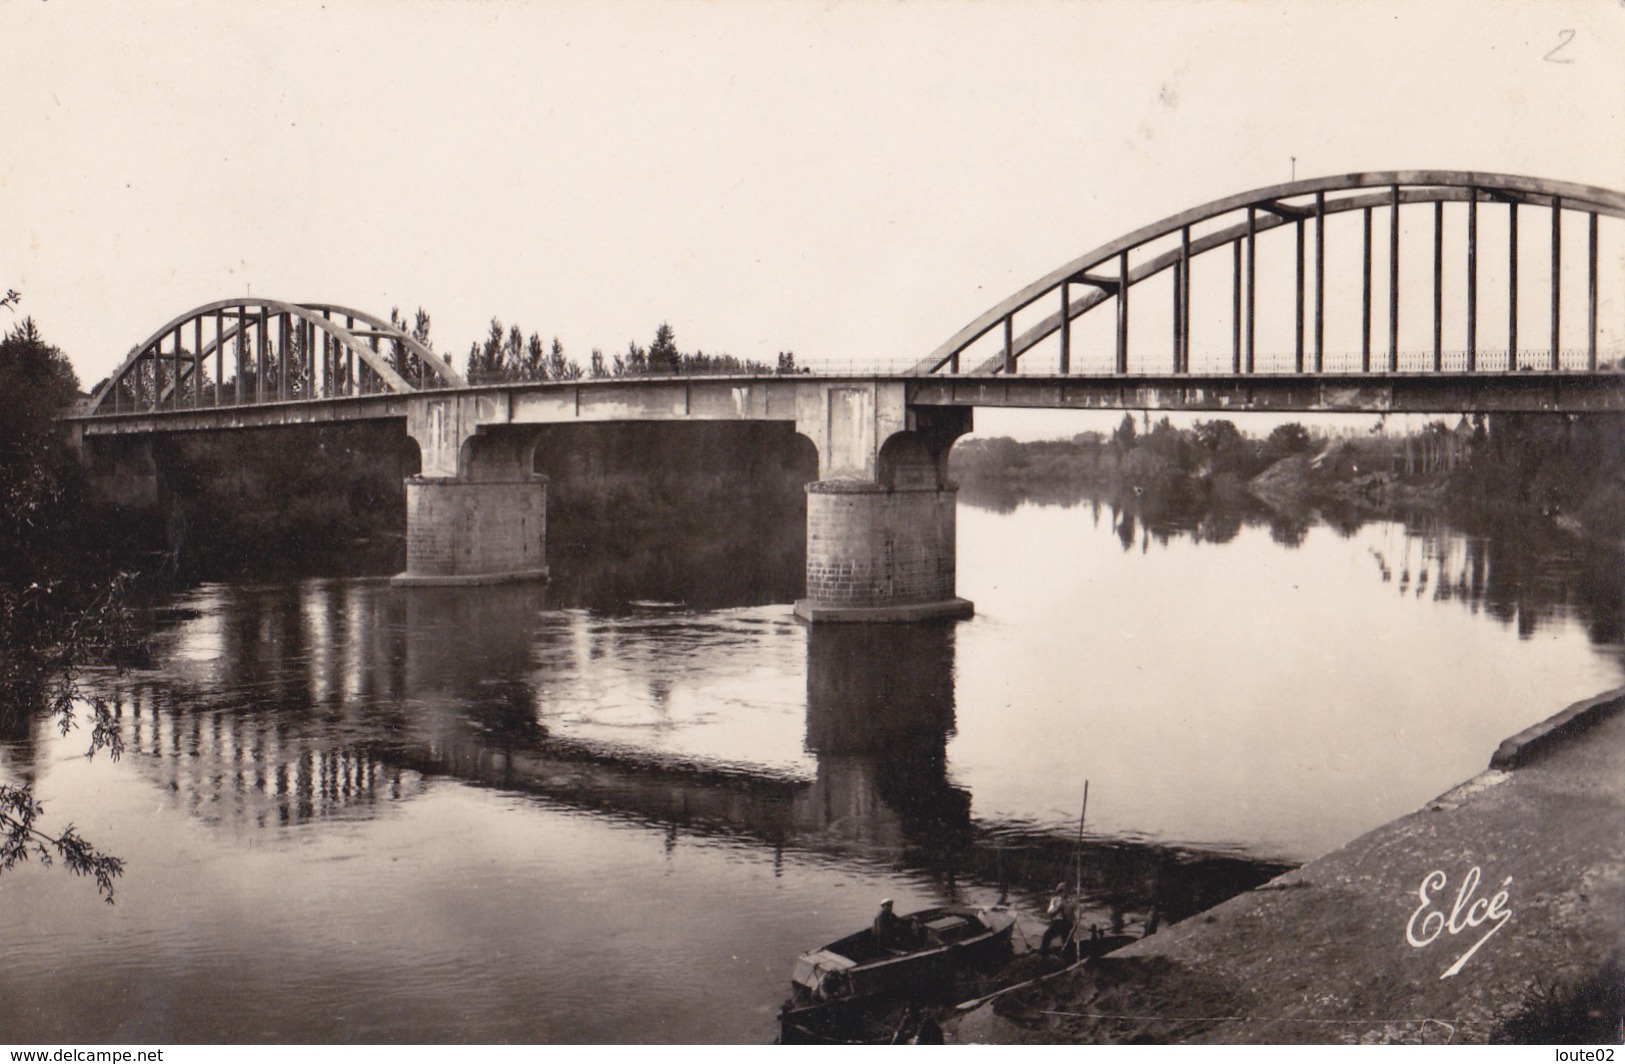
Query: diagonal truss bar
[1364, 191]
[1106, 287]
[253, 317]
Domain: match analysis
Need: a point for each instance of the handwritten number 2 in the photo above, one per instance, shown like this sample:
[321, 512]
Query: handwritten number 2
[1564, 37]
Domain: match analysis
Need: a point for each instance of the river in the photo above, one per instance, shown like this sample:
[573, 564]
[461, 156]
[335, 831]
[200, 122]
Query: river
[615, 808]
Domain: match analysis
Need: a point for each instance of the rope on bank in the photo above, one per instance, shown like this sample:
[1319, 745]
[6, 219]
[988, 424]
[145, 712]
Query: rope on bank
[1449, 1028]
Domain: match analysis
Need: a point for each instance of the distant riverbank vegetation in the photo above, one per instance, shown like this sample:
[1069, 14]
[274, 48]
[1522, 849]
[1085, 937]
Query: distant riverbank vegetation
[1522, 517]
[1565, 471]
[510, 356]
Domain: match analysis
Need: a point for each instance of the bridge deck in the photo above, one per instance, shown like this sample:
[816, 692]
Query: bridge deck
[1532, 392]
[770, 398]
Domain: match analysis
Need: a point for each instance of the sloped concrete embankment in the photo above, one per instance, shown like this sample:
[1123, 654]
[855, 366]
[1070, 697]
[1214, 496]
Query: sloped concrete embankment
[1497, 911]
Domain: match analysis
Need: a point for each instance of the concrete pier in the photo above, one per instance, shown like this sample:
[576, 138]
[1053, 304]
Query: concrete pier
[474, 532]
[477, 514]
[881, 520]
[880, 554]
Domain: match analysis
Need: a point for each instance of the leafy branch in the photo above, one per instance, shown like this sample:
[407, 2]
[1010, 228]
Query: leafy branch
[46, 643]
[20, 839]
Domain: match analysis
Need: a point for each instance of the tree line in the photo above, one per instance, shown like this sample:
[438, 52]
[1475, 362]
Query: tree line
[1565, 469]
[507, 354]
[1154, 455]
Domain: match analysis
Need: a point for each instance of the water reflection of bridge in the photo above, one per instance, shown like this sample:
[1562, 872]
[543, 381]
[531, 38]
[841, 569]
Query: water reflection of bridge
[244, 770]
[328, 699]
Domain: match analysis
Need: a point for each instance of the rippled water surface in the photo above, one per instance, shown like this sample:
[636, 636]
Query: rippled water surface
[352, 812]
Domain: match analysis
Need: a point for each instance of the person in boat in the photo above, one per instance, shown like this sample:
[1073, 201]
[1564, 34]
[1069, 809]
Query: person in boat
[1062, 915]
[890, 929]
[897, 932]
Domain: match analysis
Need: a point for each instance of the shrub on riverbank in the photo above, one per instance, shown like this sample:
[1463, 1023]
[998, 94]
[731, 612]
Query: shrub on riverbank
[59, 609]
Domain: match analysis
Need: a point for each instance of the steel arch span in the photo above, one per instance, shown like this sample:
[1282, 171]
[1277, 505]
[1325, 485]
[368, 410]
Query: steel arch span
[995, 342]
[266, 351]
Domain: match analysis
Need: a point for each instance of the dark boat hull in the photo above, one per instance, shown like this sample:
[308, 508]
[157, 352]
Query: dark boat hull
[853, 990]
[886, 1017]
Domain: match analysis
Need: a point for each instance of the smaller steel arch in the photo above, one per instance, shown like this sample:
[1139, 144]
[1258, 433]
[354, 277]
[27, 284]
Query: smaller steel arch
[1266, 209]
[250, 312]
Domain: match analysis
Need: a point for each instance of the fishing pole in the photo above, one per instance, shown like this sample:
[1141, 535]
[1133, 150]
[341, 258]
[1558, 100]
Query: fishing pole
[1077, 874]
[1077, 853]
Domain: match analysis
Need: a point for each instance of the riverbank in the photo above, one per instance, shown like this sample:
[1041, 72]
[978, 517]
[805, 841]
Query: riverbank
[1495, 912]
[1539, 473]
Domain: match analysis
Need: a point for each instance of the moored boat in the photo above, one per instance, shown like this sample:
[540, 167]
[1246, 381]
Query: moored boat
[936, 947]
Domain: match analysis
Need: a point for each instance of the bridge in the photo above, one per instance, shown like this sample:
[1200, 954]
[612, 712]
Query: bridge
[880, 516]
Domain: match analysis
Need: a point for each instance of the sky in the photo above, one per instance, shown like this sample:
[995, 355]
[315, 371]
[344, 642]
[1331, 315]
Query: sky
[851, 181]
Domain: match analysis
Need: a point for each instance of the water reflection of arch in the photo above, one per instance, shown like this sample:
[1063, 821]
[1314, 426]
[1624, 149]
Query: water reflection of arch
[238, 768]
[447, 680]
[330, 698]
[319, 643]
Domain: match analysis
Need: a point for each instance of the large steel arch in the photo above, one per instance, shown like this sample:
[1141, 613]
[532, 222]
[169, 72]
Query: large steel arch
[279, 351]
[1110, 271]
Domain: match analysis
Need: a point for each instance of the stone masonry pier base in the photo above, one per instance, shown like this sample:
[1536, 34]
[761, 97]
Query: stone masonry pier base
[879, 553]
[474, 532]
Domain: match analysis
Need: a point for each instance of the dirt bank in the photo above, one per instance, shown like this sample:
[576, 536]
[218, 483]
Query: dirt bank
[1497, 911]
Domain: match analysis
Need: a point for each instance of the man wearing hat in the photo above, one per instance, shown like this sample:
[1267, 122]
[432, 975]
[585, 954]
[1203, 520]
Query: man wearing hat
[888, 929]
[1062, 914]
